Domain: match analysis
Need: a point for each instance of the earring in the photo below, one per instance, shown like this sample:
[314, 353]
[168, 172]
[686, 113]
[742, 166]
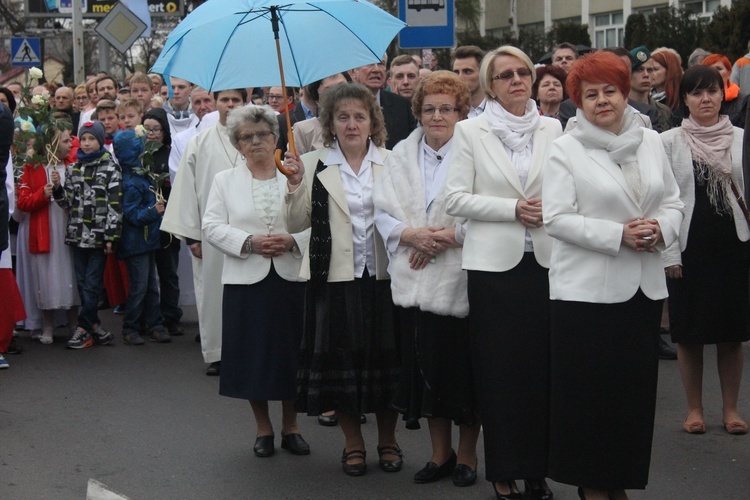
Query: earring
[243, 157]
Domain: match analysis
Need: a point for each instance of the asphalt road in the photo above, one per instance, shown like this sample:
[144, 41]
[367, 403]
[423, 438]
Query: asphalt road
[149, 424]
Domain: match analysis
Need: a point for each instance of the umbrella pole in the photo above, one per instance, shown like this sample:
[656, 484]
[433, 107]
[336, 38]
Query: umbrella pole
[290, 134]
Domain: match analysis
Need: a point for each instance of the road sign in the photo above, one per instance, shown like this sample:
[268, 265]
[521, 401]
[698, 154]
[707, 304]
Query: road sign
[120, 28]
[25, 52]
[431, 24]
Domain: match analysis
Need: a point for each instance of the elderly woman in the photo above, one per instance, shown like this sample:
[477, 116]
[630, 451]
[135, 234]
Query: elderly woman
[495, 181]
[350, 360]
[735, 105]
[549, 90]
[611, 205]
[428, 284]
[665, 80]
[708, 270]
[263, 297]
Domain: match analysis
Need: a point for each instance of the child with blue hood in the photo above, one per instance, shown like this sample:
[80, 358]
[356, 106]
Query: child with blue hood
[139, 241]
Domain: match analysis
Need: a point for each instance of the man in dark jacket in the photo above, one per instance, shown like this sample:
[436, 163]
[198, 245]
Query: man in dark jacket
[6, 139]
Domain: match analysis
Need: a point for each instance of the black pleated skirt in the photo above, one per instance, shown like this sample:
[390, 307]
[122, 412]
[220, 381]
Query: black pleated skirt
[709, 304]
[261, 334]
[510, 333]
[436, 373]
[603, 399]
[350, 348]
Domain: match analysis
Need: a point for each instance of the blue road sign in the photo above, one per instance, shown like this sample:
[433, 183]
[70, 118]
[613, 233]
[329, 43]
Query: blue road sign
[25, 52]
[431, 24]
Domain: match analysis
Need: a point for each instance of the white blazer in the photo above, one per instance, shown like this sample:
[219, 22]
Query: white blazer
[483, 186]
[231, 217]
[587, 202]
[299, 209]
[681, 159]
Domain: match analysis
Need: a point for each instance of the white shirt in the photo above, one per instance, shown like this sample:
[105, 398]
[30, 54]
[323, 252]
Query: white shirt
[478, 110]
[358, 191]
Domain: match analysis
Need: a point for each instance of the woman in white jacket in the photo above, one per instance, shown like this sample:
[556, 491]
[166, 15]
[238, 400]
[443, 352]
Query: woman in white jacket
[612, 205]
[429, 286]
[245, 219]
[708, 269]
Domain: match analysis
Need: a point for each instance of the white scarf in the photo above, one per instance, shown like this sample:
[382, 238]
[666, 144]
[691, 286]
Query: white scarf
[515, 132]
[622, 148]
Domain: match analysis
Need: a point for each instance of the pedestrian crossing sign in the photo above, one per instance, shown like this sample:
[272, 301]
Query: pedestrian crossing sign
[25, 52]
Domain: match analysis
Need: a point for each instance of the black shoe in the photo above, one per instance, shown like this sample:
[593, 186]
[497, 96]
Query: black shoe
[666, 351]
[263, 446]
[513, 495]
[214, 369]
[295, 444]
[13, 347]
[328, 420]
[390, 465]
[539, 493]
[175, 329]
[463, 475]
[432, 472]
[357, 469]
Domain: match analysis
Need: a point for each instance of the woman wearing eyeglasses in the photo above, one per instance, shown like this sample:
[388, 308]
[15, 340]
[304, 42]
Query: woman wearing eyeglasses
[495, 181]
[263, 294]
[428, 284]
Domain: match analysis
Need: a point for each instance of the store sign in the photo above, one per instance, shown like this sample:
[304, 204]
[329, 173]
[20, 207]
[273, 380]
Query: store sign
[98, 8]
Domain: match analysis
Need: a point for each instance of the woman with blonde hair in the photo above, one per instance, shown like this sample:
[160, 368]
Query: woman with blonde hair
[495, 181]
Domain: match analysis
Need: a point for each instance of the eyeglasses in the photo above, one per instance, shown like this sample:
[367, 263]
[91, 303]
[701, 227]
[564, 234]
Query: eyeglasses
[444, 110]
[508, 75]
[155, 130]
[248, 138]
[274, 97]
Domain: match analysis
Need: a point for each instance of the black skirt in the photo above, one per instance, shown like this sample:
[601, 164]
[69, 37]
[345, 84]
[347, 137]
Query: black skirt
[436, 373]
[709, 304]
[261, 334]
[603, 392]
[350, 348]
[510, 349]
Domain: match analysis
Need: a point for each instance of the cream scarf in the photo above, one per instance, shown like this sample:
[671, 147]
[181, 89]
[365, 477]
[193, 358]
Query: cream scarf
[622, 148]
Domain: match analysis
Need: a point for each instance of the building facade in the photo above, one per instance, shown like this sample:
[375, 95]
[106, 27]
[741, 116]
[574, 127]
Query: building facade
[605, 18]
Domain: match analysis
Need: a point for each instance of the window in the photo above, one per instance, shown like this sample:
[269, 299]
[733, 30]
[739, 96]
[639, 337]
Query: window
[609, 30]
[702, 8]
[567, 20]
[647, 11]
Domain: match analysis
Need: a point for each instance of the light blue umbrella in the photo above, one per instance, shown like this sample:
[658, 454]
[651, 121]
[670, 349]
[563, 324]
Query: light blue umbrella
[226, 44]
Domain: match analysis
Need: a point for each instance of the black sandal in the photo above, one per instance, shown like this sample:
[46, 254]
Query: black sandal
[390, 465]
[357, 469]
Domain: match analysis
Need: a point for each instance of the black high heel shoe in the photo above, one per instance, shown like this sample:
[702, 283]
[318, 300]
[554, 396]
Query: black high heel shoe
[538, 493]
[513, 495]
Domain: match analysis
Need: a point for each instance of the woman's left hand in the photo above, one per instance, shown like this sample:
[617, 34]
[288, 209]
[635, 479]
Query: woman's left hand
[273, 245]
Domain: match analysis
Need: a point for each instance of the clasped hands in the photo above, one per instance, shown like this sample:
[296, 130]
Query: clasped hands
[427, 242]
[642, 235]
[272, 245]
[529, 212]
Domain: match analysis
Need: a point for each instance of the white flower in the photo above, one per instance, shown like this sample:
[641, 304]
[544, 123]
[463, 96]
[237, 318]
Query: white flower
[38, 100]
[140, 131]
[35, 73]
[25, 126]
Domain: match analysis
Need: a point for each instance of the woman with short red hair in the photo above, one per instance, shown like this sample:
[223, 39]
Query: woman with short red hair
[611, 204]
[734, 105]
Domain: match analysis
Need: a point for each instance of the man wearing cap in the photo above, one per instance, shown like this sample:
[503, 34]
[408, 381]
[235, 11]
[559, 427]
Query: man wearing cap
[640, 86]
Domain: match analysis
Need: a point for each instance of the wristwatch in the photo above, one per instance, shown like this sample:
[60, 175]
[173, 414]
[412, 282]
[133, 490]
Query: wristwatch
[247, 247]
